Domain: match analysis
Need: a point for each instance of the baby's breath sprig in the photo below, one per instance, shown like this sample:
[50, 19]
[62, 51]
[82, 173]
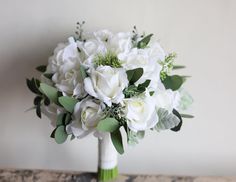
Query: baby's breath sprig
[167, 65]
[109, 59]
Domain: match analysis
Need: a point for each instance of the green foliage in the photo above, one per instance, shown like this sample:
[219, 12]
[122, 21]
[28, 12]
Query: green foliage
[60, 134]
[68, 103]
[133, 90]
[67, 119]
[142, 87]
[144, 42]
[53, 133]
[108, 125]
[116, 111]
[117, 141]
[167, 65]
[166, 120]
[60, 119]
[133, 137]
[48, 75]
[109, 59]
[46, 101]
[37, 103]
[38, 110]
[63, 119]
[134, 75]
[151, 93]
[178, 127]
[173, 82]
[41, 68]
[50, 92]
[186, 116]
[33, 85]
[37, 100]
[175, 67]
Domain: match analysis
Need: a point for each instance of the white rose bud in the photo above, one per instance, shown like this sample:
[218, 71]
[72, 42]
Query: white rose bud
[106, 84]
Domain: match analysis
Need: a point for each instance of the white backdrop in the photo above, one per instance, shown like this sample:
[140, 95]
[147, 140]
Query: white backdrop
[201, 32]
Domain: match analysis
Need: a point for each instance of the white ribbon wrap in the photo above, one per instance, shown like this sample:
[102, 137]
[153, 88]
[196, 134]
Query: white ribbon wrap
[107, 158]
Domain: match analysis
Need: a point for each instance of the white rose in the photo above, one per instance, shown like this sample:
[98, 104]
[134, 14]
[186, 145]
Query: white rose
[167, 99]
[142, 58]
[65, 57]
[120, 42]
[92, 47]
[87, 114]
[103, 35]
[106, 84]
[70, 83]
[155, 51]
[141, 113]
[64, 65]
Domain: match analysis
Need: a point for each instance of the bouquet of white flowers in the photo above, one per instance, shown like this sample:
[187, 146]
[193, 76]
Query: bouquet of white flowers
[103, 82]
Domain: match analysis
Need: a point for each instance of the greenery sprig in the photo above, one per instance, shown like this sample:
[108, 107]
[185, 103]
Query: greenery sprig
[79, 31]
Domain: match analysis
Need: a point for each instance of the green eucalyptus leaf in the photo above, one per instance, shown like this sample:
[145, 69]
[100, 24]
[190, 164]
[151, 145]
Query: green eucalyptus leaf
[60, 134]
[50, 92]
[37, 84]
[30, 86]
[108, 125]
[67, 119]
[60, 119]
[68, 103]
[151, 93]
[142, 87]
[186, 116]
[173, 82]
[144, 42]
[140, 134]
[41, 68]
[33, 85]
[37, 100]
[38, 110]
[48, 75]
[134, 75]
[178, 127]
[175, 67]
[116, 139]
[132, 138]
[166, 120]
[53, 133]
[46, 101]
